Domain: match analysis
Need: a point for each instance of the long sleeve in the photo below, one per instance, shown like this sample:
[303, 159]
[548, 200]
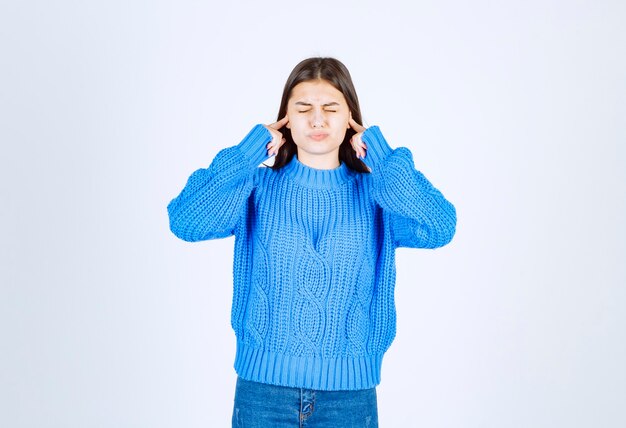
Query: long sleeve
[420, 216]
[213, 200]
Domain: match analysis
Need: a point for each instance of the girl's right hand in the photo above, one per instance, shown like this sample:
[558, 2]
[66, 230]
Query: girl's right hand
[277, 136]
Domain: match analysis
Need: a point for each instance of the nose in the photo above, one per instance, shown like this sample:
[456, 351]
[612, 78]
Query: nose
[317, 119]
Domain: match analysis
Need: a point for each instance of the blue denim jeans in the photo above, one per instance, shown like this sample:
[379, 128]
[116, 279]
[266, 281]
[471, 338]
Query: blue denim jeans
[260, 405]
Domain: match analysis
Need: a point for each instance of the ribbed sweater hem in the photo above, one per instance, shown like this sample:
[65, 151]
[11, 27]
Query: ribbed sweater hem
[321, 373]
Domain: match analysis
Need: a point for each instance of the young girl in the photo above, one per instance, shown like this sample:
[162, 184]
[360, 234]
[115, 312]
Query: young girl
[315, 238]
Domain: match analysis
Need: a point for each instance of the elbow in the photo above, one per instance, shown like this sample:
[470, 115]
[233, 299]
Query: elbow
[191, 229]
[179, 225]
[180, 231]
[447, 234]
[450, 224]
[440, 237]
[445, 228]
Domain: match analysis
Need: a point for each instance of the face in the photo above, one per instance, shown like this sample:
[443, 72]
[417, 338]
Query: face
[318, 119]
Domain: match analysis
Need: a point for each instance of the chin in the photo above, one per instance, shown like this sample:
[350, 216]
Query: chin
[318, 150]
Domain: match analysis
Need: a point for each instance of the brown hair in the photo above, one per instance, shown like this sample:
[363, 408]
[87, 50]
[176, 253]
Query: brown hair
[335, 73]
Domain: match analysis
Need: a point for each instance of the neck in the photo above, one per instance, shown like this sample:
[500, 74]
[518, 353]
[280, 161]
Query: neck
[325, 161]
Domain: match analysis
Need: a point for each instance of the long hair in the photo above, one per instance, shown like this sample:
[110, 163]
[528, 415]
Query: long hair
[334, 72]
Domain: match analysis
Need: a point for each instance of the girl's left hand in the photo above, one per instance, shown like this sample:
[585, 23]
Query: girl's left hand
[356, 141]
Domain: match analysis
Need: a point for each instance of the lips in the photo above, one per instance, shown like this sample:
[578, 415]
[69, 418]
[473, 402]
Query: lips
[318, 136]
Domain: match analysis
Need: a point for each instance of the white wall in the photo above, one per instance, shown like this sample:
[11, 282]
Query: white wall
[515, 110]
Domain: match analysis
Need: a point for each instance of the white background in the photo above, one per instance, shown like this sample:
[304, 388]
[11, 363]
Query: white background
[515, 110]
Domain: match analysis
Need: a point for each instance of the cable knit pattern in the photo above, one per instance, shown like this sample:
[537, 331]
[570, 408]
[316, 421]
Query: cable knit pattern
[312, 281]
[258, 320]
[314, 264]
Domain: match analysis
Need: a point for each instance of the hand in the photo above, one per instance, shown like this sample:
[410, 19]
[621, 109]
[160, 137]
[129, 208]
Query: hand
[277, 136]
[356, 141]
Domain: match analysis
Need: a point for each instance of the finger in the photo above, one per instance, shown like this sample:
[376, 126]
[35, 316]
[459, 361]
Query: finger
[358, 146]
[359, 143]
[282, 122]
[273, 147]
[356, 126]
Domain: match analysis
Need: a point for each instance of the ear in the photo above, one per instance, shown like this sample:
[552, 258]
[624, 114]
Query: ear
[349, 119]
[288, 125]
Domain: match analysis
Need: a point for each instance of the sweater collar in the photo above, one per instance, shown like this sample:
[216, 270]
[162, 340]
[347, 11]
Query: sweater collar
[316, 178]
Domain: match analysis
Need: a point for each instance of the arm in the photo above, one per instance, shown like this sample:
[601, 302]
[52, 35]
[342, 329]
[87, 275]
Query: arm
[213, 200]
[420, 216]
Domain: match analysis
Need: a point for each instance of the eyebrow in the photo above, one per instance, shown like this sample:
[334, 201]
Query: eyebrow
[302, 103]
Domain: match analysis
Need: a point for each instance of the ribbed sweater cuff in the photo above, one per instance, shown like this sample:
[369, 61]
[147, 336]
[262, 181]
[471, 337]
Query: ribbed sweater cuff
[329, 374]
[253, 146]
[377, 147]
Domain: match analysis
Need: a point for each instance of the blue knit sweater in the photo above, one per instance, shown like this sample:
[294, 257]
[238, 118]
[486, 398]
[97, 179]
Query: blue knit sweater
[314, 267]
